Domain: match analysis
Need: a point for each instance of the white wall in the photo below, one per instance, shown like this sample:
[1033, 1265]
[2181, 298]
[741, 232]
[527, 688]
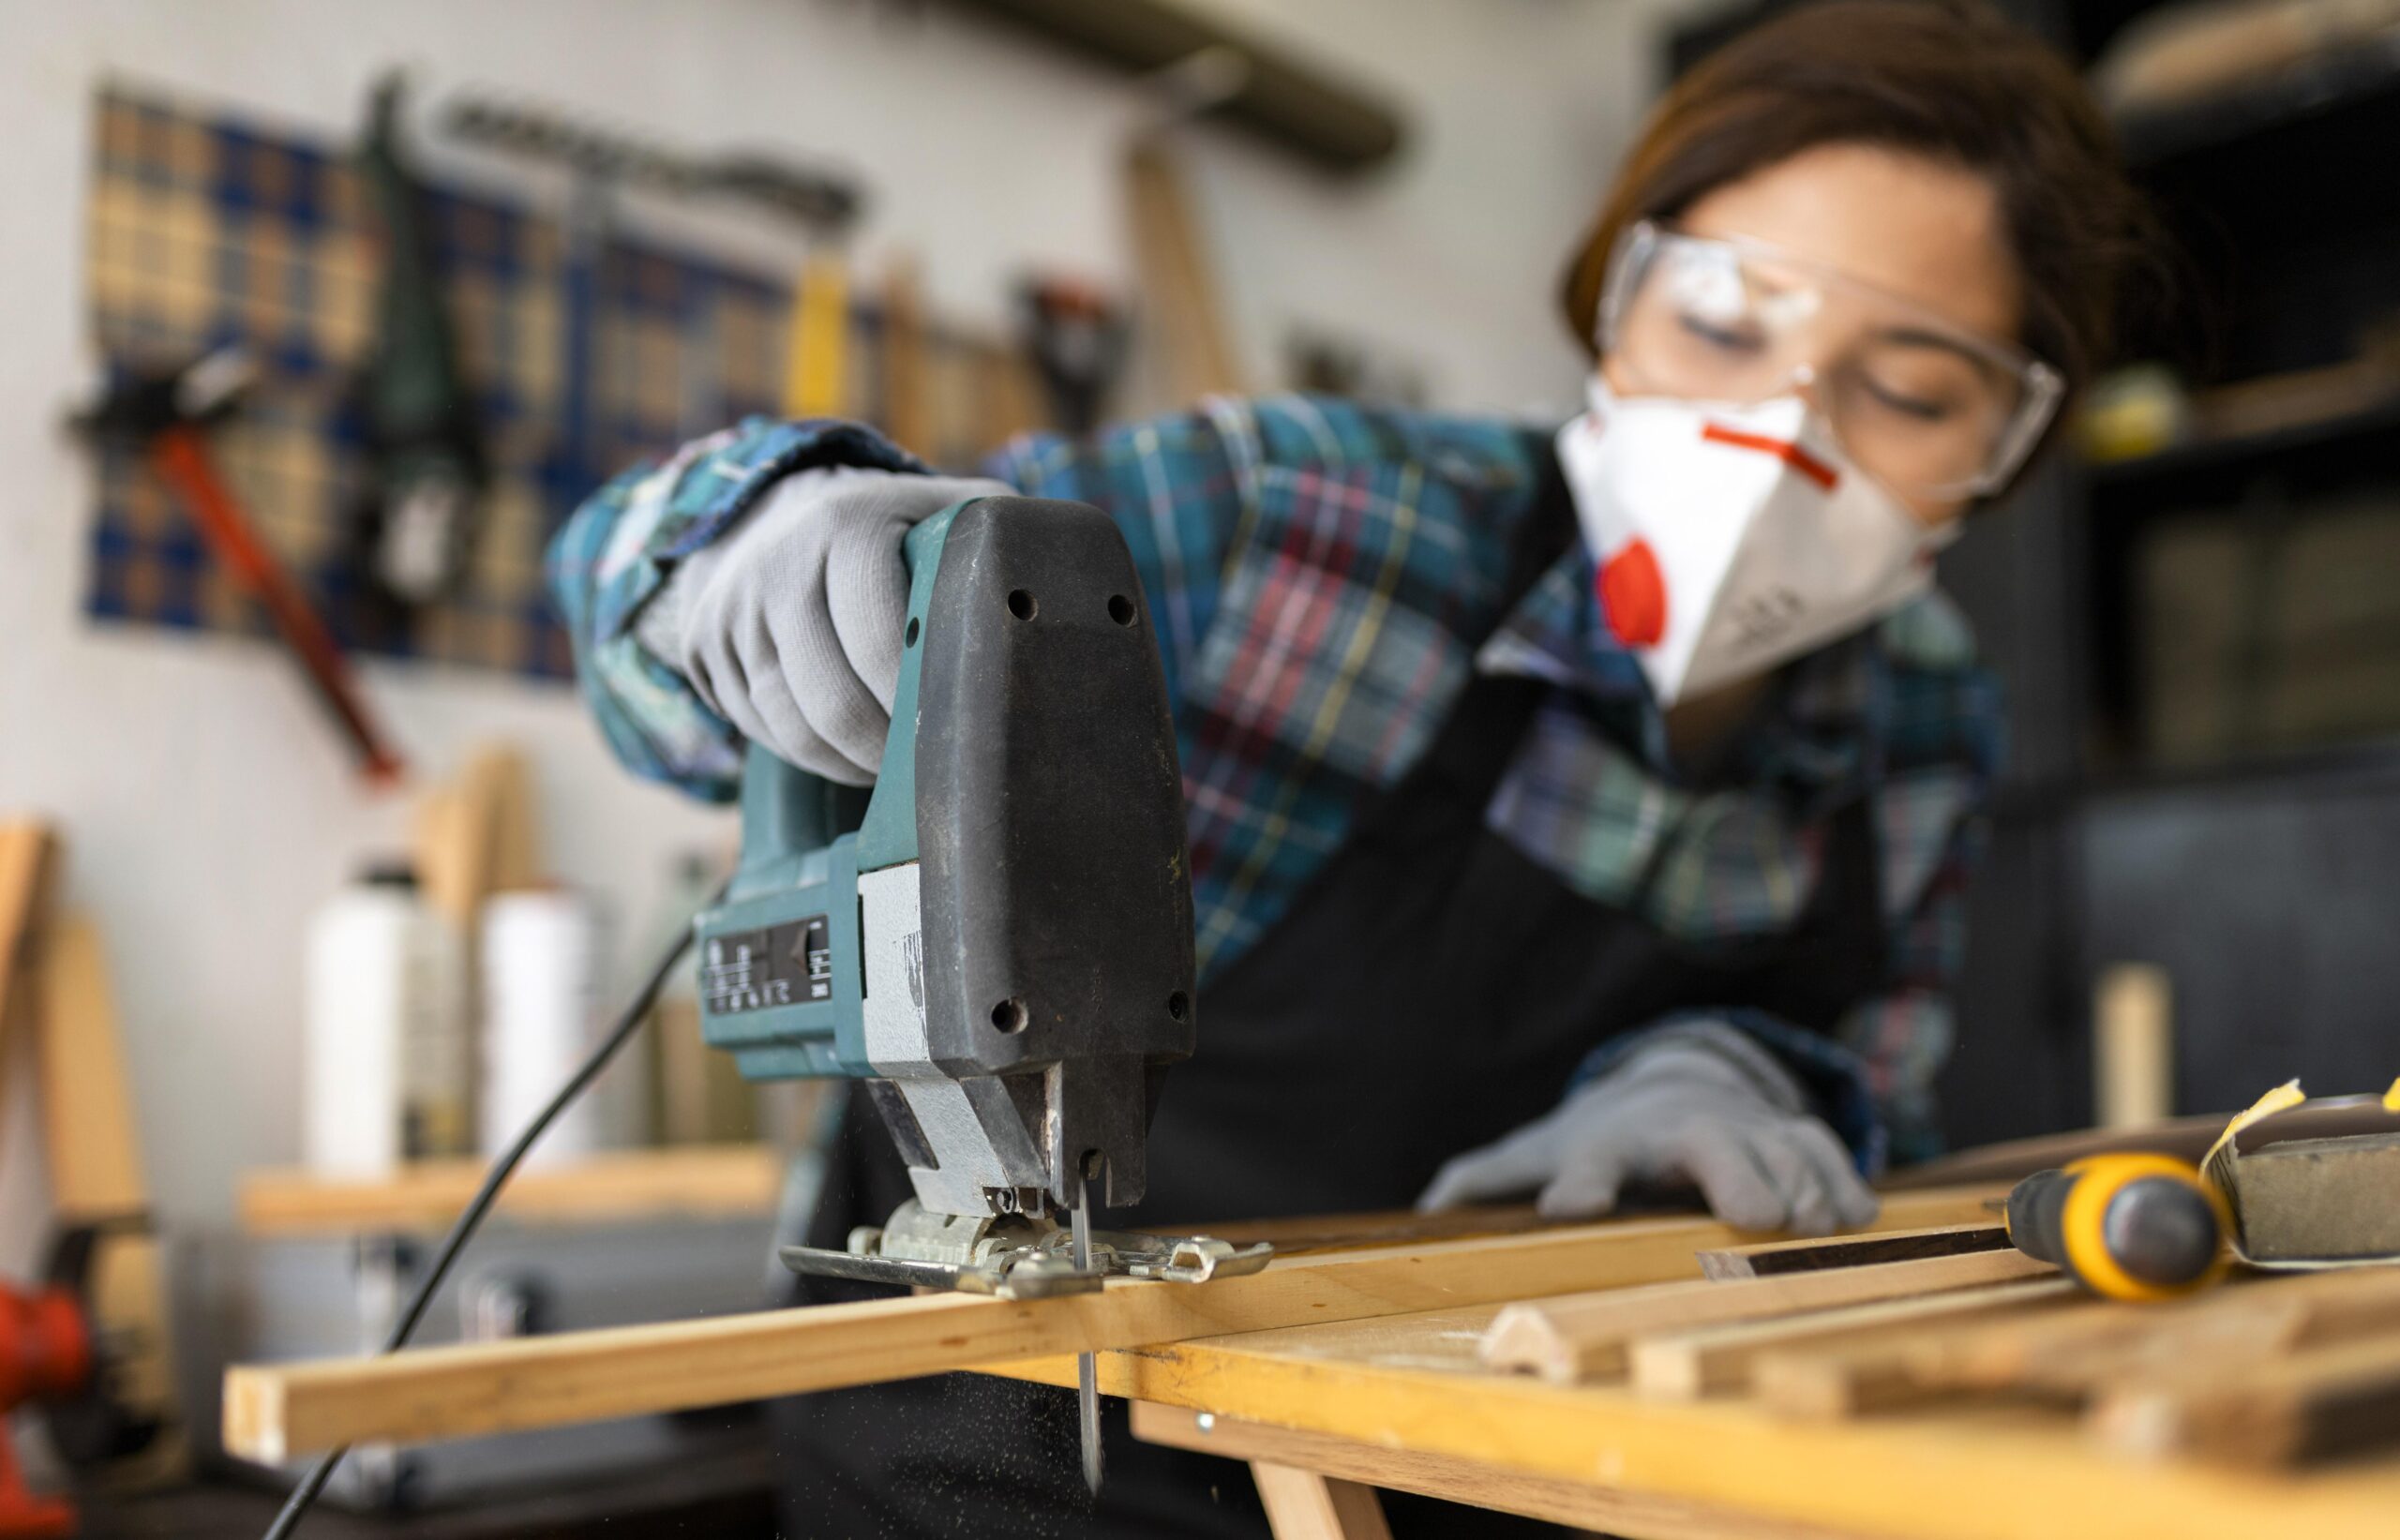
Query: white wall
[206, 809]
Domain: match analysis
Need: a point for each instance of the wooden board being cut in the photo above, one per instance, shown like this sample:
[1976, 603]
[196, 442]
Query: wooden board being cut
[273, 1412]
[703, 1180]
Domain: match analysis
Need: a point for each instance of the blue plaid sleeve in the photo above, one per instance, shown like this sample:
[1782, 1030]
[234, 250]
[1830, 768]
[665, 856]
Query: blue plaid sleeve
[1944, 738]
[616, 552]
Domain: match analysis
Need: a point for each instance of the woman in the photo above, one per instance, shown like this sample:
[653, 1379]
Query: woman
[1595, 804]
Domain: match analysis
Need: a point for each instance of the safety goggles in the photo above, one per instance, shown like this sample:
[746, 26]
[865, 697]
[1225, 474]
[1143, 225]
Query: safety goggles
[1921, 404]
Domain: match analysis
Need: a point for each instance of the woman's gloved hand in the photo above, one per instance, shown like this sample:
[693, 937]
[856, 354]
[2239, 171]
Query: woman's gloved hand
[1704, 1106]
[788, 625]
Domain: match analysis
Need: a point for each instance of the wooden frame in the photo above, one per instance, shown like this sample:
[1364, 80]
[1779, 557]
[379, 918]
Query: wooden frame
[1947, 1471]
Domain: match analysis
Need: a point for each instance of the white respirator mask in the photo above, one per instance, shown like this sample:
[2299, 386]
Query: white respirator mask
[1730, 539]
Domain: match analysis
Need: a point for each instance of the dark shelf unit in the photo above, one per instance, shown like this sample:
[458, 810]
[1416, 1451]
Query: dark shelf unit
[2256, 876]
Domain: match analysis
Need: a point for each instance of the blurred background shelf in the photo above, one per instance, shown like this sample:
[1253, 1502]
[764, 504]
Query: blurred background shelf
[709, 1181]
[1285, 100]
[2372, 429]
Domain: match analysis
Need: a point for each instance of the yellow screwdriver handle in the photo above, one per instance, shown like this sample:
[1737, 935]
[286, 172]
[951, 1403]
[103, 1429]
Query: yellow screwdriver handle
[2132, 1227]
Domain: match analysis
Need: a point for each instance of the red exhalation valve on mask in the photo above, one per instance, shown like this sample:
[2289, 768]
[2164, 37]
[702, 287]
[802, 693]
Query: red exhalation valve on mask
[1633, 594]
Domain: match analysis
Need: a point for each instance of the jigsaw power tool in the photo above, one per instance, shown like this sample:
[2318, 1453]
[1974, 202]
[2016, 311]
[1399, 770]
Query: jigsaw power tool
[998, 939]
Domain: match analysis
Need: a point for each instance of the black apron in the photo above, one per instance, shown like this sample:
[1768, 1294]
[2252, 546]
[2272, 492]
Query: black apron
[1431, 990]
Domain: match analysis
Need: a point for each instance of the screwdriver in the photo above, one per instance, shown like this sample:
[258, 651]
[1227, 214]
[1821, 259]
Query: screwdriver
[2131, 1227]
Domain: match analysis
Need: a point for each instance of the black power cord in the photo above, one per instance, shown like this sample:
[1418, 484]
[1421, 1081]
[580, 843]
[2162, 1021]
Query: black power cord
[304, 1495]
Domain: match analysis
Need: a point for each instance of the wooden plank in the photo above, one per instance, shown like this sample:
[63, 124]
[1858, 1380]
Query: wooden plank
[1943, 1473]
[1576, 1505]
[701, 1180]
[94, 1144]
[2317, 1403]
[2133, 1046]
[1805, 1256]
[273, 1412]
[28, 857]
[476, 835]
[1684, 1366]
[1178, 294]
[1584, 1336]
[1304, 1506]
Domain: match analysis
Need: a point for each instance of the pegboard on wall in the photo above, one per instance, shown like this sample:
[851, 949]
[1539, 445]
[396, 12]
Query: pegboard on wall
[206, 231]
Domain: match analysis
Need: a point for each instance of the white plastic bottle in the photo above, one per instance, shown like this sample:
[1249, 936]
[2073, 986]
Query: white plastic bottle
[387, 1071]
[542, 963]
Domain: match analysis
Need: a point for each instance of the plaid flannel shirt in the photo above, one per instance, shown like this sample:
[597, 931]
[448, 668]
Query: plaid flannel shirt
[1326, 578]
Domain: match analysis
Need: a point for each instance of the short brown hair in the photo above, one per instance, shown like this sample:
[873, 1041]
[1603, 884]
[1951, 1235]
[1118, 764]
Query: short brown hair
[1949, 79]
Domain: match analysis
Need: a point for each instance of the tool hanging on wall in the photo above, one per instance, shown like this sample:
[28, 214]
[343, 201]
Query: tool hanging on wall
[421, 507]
[601, 161]
[57, 1358]
[907, 385]
[816, 348]
[167, 416]
[1076, 339]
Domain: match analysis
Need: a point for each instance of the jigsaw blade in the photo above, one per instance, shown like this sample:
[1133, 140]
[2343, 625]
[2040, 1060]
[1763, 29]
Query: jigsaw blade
[1086, 1366]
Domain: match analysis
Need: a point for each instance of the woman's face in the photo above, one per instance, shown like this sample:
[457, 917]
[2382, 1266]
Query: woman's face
[1923, 231]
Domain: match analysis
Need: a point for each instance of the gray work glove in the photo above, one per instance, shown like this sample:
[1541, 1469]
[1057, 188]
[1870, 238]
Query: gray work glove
[788, 625]
[1704, 1106]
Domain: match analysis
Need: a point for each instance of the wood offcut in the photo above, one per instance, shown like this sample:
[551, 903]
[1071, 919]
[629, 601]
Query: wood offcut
[1585, 1336]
